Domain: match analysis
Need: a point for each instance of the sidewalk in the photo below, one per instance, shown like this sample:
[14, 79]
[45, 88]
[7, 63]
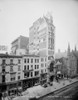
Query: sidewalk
[39, 91]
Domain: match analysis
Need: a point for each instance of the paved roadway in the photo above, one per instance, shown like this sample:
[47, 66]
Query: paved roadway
[70, 93]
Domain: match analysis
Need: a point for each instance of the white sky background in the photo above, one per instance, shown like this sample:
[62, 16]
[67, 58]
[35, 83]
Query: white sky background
[16, 16]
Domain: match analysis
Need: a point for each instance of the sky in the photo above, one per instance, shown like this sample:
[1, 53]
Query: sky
[17, 16]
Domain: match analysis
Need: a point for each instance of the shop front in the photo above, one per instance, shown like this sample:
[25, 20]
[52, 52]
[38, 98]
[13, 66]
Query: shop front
[43, 78]
[27, 83]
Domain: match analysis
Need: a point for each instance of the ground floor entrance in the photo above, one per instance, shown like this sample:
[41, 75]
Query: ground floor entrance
[29, 83]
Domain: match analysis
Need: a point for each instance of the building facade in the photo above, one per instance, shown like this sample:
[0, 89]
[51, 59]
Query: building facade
[20, 46]
[17, 73]
[10, 73]
[42, 37]
[69, 62]
[33, 68]
[42, 40]
[72, 63]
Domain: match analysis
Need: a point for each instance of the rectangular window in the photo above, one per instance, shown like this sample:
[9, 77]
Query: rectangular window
[19, 61]
[3, 78]
[3, 70]
[12, 79]
[36, 73]
[45, 70]
[31, 60]
[35, 60]
[3, 61]
[27, 60]
[25, 75]
[27, 67]
[11, 68]
[24, 60]
[45, 65]
[42, 71]
[18, 77]
[45, 59]
[35, 66]
[42, 65]
[24, 67]
[42, 59]
[31, 74]
[19, 68]
[11, 61]
[31, 66]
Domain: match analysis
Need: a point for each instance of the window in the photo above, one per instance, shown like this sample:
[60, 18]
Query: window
[45, 59]
[19, 68]
[11, 61]
[31, 74]
[42, 59]
[41, 71]
[12, 79]
[26, 74]
[36, 73]
[35, 60]
[45, 70]
[24, 60]
[35, 66]
[11, 68]
[18, 77]
[3, 70]
[27, 67]
[27, 60]
[31, 60]
[24, 67]
[45, 65]
[19, 61]
[3, 78]
[42, 65]
[31, 66]
[3, 61]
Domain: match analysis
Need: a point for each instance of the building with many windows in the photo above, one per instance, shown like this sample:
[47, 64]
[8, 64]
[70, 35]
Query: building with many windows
[33, 67]
[42, 40]
[10, 73]
[42, 37]
[17, 73]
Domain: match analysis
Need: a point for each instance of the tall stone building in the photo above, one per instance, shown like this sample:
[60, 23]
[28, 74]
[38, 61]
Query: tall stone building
[42, 40]
[42, 37]
[20, 46]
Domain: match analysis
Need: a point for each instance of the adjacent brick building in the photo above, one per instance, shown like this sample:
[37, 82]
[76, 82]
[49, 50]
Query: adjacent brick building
[17, 73]
[20, 46]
